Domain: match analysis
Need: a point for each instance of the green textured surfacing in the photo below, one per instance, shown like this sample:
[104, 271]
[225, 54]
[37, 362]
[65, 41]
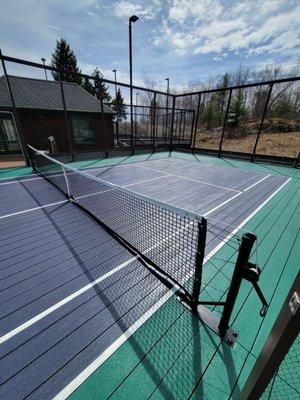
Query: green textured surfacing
[173, 356]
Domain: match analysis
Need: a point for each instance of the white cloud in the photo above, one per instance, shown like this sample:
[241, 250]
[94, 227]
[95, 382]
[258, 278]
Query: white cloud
[271, 5]
[201, 27]
[201, 10]
[124, 9]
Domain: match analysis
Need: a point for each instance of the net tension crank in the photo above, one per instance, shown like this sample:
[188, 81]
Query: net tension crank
[243, 270]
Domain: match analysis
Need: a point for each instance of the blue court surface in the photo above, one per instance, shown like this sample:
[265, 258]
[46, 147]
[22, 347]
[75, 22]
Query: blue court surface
[71, 296]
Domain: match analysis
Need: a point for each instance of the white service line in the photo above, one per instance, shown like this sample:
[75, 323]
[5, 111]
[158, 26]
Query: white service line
[33, 209]
[191, 179]
[88, 371]
[256, 183]
[20, 180]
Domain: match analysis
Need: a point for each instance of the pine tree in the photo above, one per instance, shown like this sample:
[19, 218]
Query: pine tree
[88, 86]
[64, 58]
[99, 87]
[118, 106]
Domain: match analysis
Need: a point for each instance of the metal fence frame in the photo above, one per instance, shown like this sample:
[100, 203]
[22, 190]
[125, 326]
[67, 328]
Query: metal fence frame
[253, 156]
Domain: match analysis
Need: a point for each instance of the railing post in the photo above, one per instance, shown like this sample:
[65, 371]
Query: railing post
[15, 114]
[153, 117]
[192, 126]
[172, 122]
[224, 123]
[297, 161]
[202, 230]
[262, 121]
[247, 242]
[197, 121]
[100, 94]
[66, 116]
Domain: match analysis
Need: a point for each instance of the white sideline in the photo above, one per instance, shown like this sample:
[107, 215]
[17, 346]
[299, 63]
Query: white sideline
[33, 209]
[64, 301]
[256, 183]
[75, 383]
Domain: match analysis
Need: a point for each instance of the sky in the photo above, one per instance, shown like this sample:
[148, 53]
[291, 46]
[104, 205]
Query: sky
[185, 40]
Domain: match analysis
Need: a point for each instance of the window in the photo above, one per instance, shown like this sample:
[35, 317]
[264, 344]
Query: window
[83, 130]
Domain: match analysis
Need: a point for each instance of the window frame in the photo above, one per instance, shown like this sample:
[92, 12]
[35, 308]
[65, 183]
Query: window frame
[77, 118]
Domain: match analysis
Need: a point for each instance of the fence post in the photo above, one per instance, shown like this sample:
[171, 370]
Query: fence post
[66, 116]
[153, 121]
[261, 122]
[197, 120]
[224, 123]
[172, 122]
[100, 95]
[192, 127]
[297, 161]
[15, 114]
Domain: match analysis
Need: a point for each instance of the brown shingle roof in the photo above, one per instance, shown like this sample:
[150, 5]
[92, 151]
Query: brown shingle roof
[46, 95]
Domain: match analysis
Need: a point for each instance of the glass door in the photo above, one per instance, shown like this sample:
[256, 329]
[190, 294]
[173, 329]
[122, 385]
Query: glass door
[9, 141]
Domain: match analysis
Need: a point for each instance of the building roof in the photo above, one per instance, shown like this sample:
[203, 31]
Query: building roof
[46, 95]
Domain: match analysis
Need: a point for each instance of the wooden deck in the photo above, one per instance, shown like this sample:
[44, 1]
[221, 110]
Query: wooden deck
[103, 342]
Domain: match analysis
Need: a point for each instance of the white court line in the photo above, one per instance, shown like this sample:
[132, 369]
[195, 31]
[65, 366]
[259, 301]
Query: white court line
[193, 180]
[256, 183]
[64, 301]
[33, 209]
[72, 296]
[88, 371]
[19, 181]
[222, 204]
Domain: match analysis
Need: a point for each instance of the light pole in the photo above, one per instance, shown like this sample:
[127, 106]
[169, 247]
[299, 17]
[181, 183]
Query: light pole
[115, 72]
[167, 106]
[44, 60]
[132, 19]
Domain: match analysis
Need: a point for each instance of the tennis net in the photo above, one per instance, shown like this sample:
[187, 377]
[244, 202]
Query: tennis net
[170, 241]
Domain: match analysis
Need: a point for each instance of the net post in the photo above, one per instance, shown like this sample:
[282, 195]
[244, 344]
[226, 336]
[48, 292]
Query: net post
[67, 182]
[247, 242]
[202, 231]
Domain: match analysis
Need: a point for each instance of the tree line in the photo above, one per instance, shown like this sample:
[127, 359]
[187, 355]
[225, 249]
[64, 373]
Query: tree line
[64, 58]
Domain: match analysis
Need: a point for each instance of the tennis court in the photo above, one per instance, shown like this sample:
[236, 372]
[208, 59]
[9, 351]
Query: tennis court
[82, 317]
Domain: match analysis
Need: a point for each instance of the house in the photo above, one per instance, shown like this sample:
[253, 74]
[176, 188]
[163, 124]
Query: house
[41, 115]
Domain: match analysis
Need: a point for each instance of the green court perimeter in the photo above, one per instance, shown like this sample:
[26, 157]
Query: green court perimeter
[173, 355]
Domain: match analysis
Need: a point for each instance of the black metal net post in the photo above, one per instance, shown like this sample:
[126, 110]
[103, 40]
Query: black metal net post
[224, 122]
[248, 239]
[202, 231]
[66, 116]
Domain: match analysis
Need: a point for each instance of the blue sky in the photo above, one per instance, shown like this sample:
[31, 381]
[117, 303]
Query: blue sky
[185, 40]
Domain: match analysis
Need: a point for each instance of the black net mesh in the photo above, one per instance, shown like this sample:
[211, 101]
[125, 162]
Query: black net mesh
[165, 235]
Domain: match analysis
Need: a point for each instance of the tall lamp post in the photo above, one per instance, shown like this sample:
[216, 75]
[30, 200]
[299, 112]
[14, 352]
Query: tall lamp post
[44, 60]
[115, 72]
[167, 106]
[132, 19]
